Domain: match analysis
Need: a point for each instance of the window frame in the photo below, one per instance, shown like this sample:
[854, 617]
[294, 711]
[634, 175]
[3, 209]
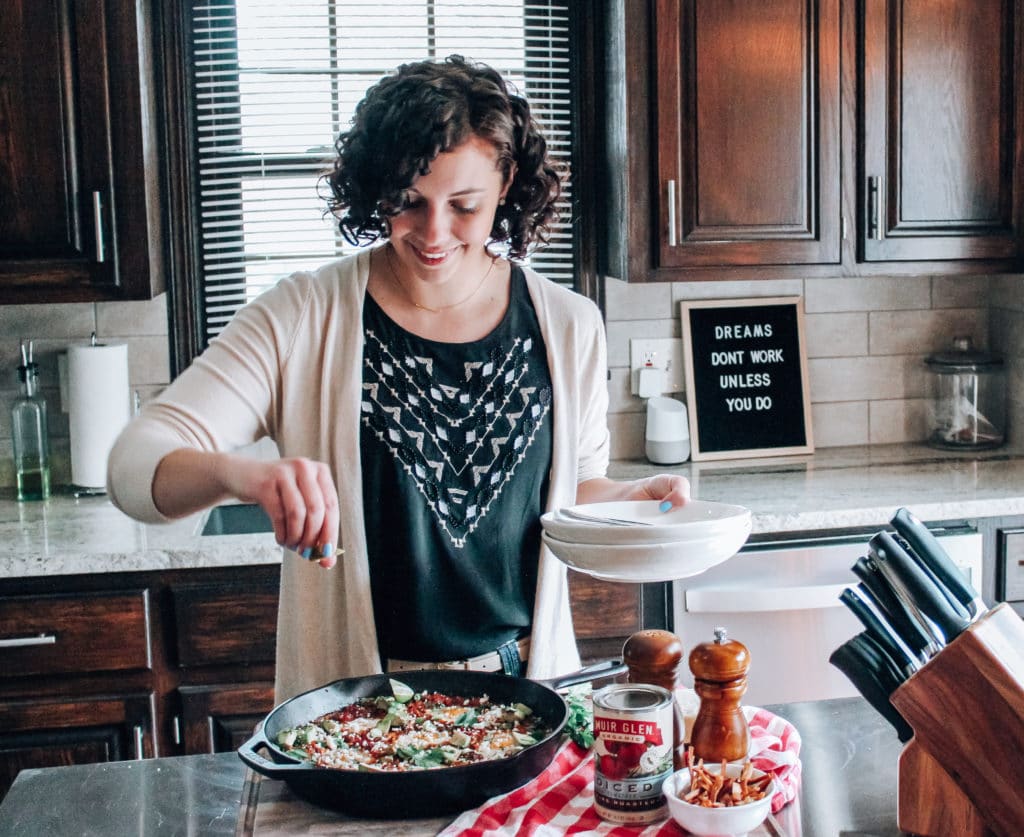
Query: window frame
[185, 294]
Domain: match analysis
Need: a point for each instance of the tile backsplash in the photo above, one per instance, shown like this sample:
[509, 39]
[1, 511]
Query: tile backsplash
[866, 340]
[1006, 325]
[52, 328]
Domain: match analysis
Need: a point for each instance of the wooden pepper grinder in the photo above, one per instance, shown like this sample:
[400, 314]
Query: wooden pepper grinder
[719, 669]
[655, 657]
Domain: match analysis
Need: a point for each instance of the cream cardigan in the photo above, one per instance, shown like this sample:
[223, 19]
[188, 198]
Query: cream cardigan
[289, 366]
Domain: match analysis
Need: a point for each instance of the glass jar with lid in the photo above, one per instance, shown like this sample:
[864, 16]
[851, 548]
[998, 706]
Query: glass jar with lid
[966, 398]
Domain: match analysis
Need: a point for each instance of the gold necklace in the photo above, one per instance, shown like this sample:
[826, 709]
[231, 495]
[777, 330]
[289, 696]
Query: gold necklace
[408, 296]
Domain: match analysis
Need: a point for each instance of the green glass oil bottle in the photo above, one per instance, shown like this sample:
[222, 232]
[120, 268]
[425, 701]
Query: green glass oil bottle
[31, 445]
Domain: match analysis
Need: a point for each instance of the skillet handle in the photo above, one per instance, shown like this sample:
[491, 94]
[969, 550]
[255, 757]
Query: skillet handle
[273, 770]
[596, 671]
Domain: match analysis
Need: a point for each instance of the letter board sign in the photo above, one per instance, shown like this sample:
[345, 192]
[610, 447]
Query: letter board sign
[746, 377]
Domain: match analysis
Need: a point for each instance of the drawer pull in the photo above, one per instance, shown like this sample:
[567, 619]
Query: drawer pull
[140, 745]
[22, 641]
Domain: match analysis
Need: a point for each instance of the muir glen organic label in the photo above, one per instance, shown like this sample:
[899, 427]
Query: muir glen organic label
[632, 752]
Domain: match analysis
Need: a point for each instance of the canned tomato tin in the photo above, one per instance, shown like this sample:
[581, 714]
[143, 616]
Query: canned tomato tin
[632, 752]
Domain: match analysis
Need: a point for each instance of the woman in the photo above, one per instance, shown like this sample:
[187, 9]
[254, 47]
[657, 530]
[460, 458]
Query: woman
[430, 400]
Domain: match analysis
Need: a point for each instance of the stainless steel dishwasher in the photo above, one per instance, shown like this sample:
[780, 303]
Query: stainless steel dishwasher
[780, 598]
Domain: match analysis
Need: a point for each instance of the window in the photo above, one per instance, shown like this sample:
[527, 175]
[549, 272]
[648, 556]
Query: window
[272, 84]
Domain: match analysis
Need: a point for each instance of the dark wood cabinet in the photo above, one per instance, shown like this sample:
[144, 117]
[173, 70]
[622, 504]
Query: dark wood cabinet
[811, 138]
[80, 171]
[941, 156]
[118, 666]
[747, 132]
[604, 614]
[48, 732]
[220, 718]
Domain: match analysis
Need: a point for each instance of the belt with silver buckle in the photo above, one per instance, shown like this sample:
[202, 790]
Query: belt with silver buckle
[510, 658]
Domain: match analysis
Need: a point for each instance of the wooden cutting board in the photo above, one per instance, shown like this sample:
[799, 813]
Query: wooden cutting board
[268, 808]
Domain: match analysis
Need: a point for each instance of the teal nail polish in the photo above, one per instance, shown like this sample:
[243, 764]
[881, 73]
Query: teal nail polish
[665, 505]
[307, 552]
[327, 550]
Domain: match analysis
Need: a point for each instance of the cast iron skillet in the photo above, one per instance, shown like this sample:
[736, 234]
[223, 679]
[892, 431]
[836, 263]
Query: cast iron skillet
[416, 793]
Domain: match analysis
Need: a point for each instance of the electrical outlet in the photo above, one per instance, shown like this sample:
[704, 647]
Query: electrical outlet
[662, 353]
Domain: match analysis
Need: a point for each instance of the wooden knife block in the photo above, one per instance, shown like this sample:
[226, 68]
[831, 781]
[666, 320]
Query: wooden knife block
[963, 772]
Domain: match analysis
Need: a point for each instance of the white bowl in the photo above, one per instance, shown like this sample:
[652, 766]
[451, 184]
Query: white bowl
[697, 519]
[646, 562]
[733, 821]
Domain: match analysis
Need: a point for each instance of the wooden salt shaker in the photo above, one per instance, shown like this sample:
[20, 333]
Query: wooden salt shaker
[655, 657]
[720, 669]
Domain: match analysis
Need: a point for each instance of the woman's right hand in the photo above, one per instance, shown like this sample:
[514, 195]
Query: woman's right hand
[298, 494]
[301, 499]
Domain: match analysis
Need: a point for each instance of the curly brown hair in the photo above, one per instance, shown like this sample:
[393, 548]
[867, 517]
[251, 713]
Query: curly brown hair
[427, 108]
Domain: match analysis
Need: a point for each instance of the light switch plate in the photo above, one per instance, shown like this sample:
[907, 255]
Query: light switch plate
[663, 353]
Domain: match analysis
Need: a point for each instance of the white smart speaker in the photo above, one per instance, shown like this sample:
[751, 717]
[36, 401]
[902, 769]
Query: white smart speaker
[667, 440]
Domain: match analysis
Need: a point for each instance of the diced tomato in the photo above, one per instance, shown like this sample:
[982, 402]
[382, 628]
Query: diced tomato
[629, 754]
[614, 767]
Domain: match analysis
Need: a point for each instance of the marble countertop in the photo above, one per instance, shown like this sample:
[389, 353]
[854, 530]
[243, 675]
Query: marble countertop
[839, 488]
[833, 489]
[65, 535]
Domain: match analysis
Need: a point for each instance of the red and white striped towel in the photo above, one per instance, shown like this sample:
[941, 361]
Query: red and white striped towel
[560, 800]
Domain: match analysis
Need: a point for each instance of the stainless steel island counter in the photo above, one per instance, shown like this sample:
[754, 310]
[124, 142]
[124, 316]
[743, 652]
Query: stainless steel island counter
[849, 756]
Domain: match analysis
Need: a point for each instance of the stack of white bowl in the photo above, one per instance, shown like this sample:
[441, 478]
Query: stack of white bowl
[636, 542]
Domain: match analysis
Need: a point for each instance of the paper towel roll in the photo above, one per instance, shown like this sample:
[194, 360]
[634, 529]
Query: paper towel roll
[98, 394]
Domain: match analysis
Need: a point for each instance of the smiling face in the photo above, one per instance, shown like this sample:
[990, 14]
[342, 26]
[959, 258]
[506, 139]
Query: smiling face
[440, 233]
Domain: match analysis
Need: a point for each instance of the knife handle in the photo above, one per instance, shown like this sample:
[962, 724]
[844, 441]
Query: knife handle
[951, 619]
[927, 570]
[905, 623]
[930, 551]
[881, 632]
[861, 670]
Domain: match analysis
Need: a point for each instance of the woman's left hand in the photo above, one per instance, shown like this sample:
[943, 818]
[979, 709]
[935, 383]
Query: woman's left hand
[670, 490]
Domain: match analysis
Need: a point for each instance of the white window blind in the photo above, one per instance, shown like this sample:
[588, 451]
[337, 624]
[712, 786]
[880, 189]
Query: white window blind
[275, 81]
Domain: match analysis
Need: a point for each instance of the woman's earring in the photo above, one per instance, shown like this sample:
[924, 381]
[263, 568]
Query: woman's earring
[501, 201]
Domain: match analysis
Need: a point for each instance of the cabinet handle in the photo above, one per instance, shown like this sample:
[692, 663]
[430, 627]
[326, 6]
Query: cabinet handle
[97, 221]
[875, 207]
[140, 742]
[22, 641]
[176, 729]
[671, 213]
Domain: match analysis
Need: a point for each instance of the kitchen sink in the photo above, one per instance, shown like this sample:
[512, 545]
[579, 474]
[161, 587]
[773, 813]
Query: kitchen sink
[237, 519]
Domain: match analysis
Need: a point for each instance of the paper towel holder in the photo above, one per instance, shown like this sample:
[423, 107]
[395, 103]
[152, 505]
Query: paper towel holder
[98, 384]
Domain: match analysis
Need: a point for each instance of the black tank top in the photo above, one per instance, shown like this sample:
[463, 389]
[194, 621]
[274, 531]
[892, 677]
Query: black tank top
[456, 452]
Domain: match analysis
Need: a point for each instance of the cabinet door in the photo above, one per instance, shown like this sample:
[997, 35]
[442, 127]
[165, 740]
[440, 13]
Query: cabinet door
[78, 174]
[747, 132]
[53, 733]
[219, 719]
[604, 614]
[942, 158]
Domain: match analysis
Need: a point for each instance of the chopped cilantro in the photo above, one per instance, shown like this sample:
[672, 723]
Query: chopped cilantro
[580, 725]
